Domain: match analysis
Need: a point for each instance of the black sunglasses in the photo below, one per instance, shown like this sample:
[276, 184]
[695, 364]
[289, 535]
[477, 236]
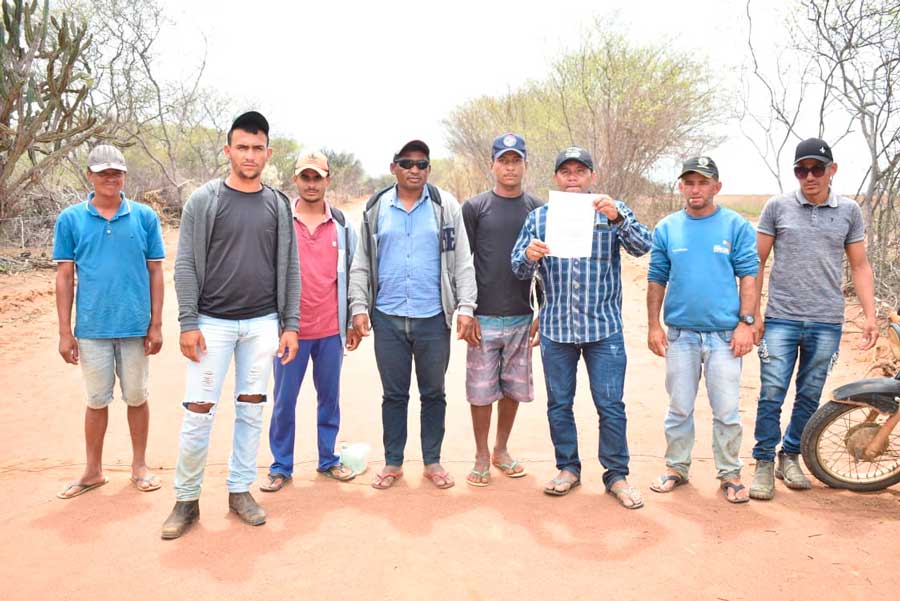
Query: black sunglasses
[422, 164]
[800, 172]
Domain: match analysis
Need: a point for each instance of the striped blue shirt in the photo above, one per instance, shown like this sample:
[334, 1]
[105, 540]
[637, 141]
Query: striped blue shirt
[583, 297]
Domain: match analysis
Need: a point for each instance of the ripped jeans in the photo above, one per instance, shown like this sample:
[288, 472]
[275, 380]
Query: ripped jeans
[605, 361]
[817, 346]
[253, 343]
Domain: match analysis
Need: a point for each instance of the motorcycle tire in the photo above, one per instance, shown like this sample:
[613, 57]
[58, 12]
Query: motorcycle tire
[818, 423]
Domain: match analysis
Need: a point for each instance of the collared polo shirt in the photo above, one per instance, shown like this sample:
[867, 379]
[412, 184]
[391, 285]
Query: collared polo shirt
[112, 297]
[807, 273]
[409, 258]
[318, 251]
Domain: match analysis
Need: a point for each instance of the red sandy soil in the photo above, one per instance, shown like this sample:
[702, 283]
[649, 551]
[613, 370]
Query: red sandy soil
[326, 540]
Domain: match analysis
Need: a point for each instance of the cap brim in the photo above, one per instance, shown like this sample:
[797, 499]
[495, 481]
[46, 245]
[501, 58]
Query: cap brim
[302, 168]
[500, 153]
[817, 157]
[703, 172]
[105, 166]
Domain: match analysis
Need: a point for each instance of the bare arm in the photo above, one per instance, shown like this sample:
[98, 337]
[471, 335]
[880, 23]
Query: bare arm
[153, 340]
[764, 244]
[656, 337]
[864, 283]
[65, 295]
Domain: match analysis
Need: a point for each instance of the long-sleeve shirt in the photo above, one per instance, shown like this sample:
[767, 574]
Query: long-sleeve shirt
[583, 297]
[697, 259]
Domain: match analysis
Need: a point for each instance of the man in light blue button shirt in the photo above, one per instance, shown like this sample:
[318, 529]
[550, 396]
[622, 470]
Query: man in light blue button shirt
[411, 272]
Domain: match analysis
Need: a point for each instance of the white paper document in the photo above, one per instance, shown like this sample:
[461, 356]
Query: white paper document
[570, 224]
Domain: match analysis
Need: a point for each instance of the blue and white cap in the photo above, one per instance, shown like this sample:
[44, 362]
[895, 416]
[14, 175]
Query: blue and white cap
[509, 142]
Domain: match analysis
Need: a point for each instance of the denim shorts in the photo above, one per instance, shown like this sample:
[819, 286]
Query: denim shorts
[102, 359]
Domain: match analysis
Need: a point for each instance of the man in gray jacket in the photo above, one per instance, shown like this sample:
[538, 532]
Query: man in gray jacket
[238, 286]
[412, 270]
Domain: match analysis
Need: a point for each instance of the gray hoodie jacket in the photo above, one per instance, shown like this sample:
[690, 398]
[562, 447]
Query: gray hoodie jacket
[458, 289]
[197, 221]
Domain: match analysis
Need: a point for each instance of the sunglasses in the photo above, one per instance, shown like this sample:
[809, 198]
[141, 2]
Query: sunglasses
[801, 172]
[421, 164]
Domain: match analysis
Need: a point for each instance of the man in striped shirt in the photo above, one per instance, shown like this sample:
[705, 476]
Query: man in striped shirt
[582, 316]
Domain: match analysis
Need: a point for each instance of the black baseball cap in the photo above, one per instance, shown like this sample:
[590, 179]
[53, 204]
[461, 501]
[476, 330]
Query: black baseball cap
[251, 120]
[574, 153]
[413, 146]
[814, 148]
[705, 166]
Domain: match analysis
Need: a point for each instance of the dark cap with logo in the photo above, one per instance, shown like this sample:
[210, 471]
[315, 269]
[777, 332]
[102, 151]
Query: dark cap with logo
[508, 143]
[413, 146]
[251, 120]
[705, 166]
[813, 148]
[574, 153]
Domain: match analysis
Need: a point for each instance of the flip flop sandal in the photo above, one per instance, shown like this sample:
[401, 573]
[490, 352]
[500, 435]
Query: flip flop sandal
[485, 474]
[630, 493]
[385, 481]
[447, 482]
[146, 484]
[551, 490]
[736, 488]
[660, 485]
[84, 488]
[276, 483]
[334, 472]
[509, 469]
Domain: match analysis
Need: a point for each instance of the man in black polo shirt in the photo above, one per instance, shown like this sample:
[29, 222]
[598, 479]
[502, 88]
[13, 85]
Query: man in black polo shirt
[499, 367]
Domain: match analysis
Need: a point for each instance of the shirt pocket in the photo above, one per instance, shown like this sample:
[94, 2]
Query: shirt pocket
[604, 238]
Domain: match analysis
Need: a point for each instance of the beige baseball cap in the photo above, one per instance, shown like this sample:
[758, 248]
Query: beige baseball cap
[316, 161]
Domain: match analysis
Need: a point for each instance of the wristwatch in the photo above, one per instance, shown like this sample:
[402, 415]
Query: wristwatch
[747, 319]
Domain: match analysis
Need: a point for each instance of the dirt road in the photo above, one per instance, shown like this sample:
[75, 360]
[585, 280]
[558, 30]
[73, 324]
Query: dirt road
[326, 540]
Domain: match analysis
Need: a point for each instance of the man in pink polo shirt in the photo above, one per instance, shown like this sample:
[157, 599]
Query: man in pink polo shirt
[325, 243]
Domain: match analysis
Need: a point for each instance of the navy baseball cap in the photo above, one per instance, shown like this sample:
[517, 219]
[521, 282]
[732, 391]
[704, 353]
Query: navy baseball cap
[705, 166]
[509, 142]
[813, 148]
[574, 153]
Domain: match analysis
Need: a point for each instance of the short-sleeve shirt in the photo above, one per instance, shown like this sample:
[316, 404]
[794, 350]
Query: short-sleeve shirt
[112, 298]
[240, 270]
[493, 224]
[805, 284]
[318, 251]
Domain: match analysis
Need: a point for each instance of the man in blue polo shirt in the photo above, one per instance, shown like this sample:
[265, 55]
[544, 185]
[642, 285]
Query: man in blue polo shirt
[115, 247]
[698, 255]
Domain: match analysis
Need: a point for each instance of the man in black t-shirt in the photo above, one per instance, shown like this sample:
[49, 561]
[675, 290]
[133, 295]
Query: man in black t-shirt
[499, 367]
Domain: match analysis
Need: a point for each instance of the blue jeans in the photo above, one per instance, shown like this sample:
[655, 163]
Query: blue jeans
[327, 355]
[398, 342]
[817, 345]
[689, 354]
[252, 343]
[605, 361]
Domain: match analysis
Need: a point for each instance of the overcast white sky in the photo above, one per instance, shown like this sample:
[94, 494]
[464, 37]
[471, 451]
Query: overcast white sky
[367, 76]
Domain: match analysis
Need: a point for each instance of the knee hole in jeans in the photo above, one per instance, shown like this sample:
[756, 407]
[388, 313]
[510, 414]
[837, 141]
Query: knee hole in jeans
[251, 398]
[198, 407]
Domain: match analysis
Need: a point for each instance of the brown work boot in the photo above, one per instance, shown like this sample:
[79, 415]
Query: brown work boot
[246, 507]
[789, 470]
[183, 515]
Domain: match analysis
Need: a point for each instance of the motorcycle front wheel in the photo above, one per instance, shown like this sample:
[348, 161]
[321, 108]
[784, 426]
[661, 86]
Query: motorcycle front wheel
[831, 448]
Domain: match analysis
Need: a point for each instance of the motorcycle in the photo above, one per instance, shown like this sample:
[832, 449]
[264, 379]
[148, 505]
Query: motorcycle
[850, 442]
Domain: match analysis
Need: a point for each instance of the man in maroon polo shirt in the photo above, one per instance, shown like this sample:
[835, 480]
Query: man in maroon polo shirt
[325, 243]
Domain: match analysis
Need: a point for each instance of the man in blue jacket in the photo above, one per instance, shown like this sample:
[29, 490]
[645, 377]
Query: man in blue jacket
[697, 255]
[326, 242]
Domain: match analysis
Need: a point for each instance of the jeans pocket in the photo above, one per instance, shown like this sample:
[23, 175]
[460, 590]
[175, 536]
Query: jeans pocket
[725, 335]
[673, 333]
